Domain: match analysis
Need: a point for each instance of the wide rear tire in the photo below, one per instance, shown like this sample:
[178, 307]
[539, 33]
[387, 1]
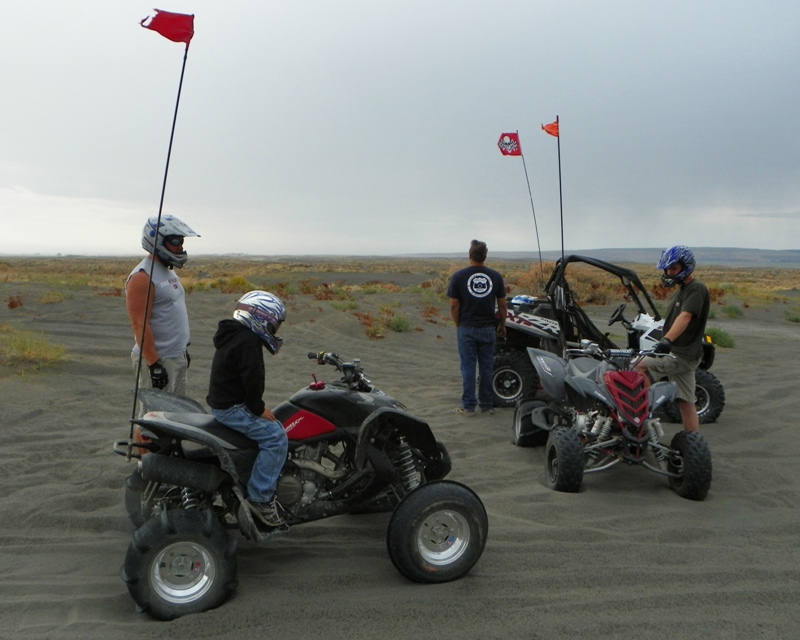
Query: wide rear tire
[514, 378]
[180, 562]
[710, 396]
[710, 399]
[438, 532]
[693, 465]
[564, 461]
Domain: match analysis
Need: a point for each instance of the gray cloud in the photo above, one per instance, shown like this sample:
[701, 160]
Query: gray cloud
[358, 127]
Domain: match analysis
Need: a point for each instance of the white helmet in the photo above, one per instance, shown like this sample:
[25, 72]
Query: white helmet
[153, 241]
[262, 313]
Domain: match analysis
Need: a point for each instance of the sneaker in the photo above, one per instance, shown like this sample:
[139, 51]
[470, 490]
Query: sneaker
[268, 512]
[465, 412]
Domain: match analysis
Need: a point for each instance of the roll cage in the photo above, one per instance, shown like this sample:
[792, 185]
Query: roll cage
[575, 324]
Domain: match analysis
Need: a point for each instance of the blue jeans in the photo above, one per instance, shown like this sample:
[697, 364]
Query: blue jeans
[476, 348]
[272, 448]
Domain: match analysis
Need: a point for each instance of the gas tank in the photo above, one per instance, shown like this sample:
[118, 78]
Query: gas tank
[324, 407]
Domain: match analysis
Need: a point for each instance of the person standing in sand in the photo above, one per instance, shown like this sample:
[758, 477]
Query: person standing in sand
[157, 308]
[684, 329]
[477, 298]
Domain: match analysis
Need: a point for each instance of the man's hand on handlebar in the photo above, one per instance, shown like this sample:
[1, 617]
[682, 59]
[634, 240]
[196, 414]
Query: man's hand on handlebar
[664, 346]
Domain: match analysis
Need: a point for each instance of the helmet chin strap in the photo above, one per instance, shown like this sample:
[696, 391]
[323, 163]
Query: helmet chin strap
[181, 257]
[669, 282]
[162, 261]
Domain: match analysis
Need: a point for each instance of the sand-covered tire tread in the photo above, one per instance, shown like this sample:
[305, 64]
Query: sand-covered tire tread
[564, 460]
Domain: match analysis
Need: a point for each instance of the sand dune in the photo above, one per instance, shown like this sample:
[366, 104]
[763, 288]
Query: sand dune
[625, 557]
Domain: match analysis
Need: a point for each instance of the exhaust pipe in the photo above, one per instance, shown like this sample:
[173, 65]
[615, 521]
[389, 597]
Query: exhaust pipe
[181, 473]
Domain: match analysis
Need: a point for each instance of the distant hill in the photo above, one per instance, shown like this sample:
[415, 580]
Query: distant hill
[722, 256]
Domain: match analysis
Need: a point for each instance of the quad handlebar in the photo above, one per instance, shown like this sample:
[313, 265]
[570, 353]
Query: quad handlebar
[614, 356]
[352, 372]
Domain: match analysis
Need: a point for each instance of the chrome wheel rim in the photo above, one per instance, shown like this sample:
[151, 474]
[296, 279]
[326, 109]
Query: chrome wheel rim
[443, 537]
[182, 572]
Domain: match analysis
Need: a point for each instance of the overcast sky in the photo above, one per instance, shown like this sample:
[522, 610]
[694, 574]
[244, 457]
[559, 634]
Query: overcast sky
[370, 127]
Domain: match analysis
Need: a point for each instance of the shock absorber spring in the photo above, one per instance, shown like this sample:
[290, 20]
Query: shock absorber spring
[605, 427]
[658, 452]
[408, 471]
[190, 499]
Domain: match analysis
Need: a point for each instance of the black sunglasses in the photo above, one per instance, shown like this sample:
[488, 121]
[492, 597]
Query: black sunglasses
[174, 241]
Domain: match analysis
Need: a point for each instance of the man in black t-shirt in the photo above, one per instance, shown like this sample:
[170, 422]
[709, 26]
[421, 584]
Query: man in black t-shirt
[477, 299]
[684, 329]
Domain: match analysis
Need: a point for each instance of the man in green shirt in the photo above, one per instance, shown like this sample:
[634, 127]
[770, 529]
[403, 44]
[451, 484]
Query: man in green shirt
[684, 329]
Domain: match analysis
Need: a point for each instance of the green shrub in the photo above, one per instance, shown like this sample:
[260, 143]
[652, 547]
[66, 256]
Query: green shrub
[237, 284]
[721, 338]
[26, 350]
[732, 311]
[399, 324]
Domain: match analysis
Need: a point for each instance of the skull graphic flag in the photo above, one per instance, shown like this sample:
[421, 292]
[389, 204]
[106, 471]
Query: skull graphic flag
[509, 144]
[178, 27]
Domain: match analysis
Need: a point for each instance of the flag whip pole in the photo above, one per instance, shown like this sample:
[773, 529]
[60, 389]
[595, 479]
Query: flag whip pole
[535, 224]
[509, 145]
[166, 24]
[560, 196]
[554, 130]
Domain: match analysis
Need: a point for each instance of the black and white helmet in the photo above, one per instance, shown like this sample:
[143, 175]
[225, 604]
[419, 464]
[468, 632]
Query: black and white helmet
[262, 313]
[154, 235]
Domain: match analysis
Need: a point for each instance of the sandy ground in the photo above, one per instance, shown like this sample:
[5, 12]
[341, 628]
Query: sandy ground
[625, 557]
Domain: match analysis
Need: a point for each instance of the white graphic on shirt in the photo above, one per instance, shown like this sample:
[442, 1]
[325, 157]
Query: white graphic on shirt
[479, 285]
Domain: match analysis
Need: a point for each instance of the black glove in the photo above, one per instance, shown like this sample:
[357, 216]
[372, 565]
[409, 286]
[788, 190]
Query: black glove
[158, 375]
[188, 359]
[664, 346]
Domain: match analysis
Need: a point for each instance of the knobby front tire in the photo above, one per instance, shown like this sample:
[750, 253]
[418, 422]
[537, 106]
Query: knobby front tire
[180, 562]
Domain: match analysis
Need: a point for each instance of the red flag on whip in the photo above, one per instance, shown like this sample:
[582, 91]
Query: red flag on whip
[509, 144]
[551, 128]
[178, 27]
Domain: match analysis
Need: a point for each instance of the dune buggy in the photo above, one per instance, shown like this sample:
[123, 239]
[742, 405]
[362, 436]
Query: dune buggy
[557, 322]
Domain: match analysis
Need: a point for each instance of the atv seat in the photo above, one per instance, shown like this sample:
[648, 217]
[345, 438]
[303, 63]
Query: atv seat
[199, 424]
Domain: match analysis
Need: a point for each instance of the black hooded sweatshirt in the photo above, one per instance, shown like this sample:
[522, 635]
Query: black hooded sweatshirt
[237, 371]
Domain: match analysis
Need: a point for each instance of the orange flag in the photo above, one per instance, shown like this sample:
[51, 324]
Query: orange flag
[551, 128]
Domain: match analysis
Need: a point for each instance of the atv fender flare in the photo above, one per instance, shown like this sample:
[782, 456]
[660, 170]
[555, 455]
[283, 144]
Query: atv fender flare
[388, 423]
[552, 372]
[660, 393]
[161, 400]
[542, 415]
